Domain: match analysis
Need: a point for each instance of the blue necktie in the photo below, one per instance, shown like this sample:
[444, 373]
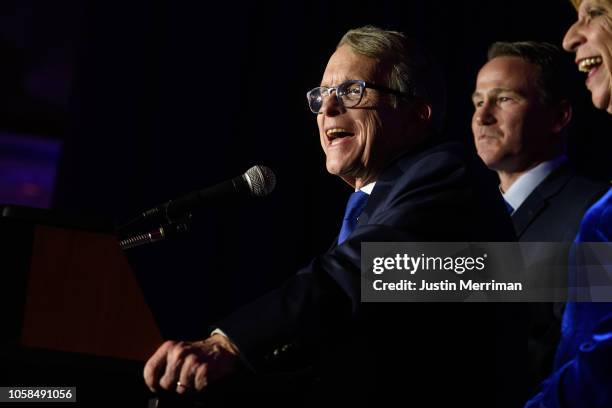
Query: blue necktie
[508, 207]
[356, 203]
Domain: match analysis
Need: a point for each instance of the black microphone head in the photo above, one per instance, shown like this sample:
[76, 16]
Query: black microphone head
[261, 180]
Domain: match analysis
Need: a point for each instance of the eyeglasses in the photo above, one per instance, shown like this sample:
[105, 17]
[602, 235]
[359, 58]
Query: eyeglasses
[348, 94]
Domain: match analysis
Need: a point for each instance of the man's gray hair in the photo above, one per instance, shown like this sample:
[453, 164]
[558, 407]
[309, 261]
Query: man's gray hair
[407, 67]
[549, 59]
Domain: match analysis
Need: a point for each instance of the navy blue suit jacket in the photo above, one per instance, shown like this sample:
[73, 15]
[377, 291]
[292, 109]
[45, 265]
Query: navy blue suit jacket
[438, 193]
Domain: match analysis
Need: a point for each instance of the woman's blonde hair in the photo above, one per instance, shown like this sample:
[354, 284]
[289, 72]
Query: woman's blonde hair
[576, 3]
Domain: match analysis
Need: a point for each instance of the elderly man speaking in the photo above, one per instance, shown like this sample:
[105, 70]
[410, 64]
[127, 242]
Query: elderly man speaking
[377, 108]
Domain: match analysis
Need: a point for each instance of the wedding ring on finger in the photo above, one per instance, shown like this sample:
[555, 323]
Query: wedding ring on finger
[178, 384]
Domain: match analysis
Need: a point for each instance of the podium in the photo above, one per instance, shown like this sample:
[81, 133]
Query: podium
[73, 314]
[69, 303]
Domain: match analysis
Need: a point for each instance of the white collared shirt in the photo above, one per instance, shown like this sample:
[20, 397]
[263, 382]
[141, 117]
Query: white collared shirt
[524, 185]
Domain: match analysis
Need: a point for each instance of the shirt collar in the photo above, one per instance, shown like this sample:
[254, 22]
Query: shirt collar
[527, 182]
[368, 188]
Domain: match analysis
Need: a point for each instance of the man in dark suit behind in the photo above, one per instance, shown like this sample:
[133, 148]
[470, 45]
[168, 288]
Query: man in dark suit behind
[519, 125]
[376, 108]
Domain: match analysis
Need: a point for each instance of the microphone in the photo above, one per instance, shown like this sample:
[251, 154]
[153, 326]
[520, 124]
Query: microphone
[258, 181]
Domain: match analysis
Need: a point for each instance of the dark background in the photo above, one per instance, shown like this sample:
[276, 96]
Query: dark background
[154, 99]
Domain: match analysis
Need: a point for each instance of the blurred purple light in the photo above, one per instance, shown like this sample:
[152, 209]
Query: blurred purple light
[28, 169]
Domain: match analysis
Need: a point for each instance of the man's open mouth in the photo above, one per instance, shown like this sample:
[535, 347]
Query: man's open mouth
[336, 133]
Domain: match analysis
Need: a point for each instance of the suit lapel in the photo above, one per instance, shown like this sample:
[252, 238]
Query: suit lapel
[539, 198]
[528, 212]
[381, 190]
[387, 180]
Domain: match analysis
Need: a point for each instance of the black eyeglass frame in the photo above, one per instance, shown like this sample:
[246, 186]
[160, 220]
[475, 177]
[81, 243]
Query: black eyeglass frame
[362, 84]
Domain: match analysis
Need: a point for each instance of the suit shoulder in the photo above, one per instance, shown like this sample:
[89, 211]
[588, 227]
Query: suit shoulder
[565, 188]
[443, 155]
[581, 192]
[448, 166]
[589, 186]
[447, 149]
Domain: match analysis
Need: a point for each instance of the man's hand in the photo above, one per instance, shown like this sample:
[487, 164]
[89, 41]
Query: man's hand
[183, 366]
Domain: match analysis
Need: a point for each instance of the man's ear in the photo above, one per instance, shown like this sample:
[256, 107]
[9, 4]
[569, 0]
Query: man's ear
[418, 111]
[416, 120]
[562, 116]
[424, 111]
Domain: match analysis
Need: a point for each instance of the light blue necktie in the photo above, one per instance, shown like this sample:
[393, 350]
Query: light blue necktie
[356, 203]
